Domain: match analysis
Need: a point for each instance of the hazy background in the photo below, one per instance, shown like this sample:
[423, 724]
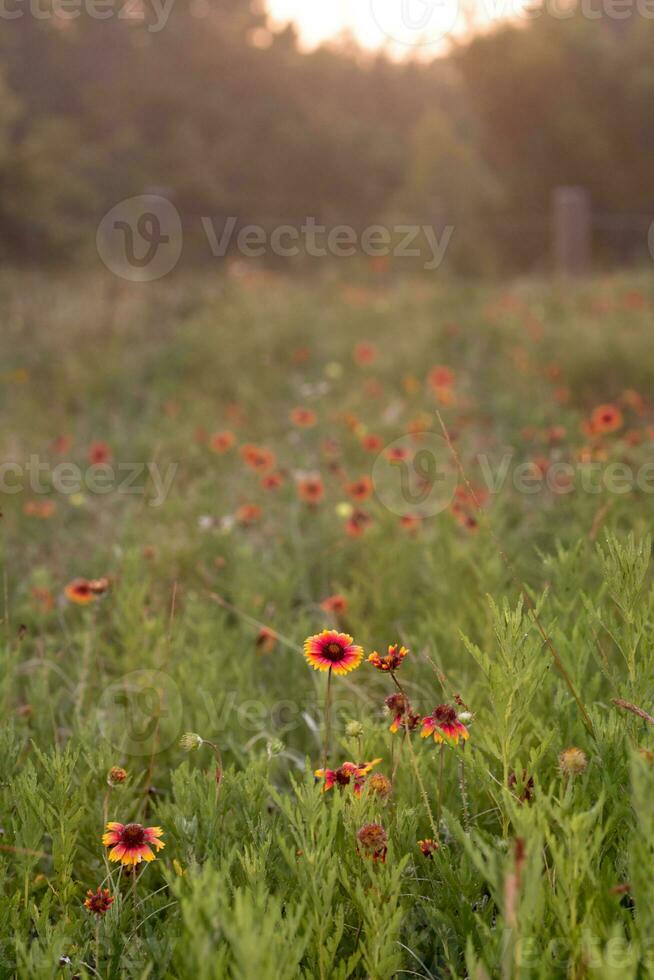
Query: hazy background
[225, 112]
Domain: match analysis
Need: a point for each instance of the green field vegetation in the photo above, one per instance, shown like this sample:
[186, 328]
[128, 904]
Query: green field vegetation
[535, 609]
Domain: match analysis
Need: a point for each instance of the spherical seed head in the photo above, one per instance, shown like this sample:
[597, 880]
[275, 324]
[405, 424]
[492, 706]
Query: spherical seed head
[354, 729]
[573, 761]
[190, 741]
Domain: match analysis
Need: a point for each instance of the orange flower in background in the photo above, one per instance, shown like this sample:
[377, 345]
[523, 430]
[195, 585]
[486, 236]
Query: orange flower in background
[357, 523]
[266, 640]
[336, 604]
[311, 490]
[304, 418]
[634, 400]
[99, 452]
[391, 661]
[606, 419]
[99, 902]
[360, 489]
[333, 651]
[222, 442]
[131, 843]
[444, 725]
[365, 353]
[410, 523]
[397, 454]
[61, 445]
[372, 444]
[248, 514]
[271, 481]
[42, 509]
[44, 598]
[83, 590]
[441, 377]
[348, 773]
[257, 458]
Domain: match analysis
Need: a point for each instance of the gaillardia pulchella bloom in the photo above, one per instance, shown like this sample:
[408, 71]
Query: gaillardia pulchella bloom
[403, 714]
[391, 661]
[99, 901]
[348, 773]
[334, 651]
[131, 843]
[444, 725]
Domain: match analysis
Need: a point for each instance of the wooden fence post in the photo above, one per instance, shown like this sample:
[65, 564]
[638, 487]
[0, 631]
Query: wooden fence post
[571, 218]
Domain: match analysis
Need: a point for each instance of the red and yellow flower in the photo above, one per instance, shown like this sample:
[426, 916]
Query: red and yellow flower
[131, 843]
[99, 902]
[428, 846]
[336, 604]
[304, 418]
[403, 715]
[348, 774]
[444, 725]
[333, 651]
[606, 419]
[83, 590]
[222, 442]
[391, 661]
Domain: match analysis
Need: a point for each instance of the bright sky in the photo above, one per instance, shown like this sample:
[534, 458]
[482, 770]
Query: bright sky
[405, 26]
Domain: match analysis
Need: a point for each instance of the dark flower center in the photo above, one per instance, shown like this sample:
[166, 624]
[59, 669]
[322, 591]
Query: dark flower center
[334, 651]
[133, 835]
[445, 713]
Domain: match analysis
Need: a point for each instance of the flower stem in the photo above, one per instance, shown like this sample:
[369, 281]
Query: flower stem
[328, 706]
[414, 761]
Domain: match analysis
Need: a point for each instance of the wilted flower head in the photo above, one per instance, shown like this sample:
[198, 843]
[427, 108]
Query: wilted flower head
[444, 725]
[572, 762]
[116, 775]
[403, 715]
[373, 841]
[354, 729]
[380, 785]
[99, 902]
[190, 741]
[391, 661]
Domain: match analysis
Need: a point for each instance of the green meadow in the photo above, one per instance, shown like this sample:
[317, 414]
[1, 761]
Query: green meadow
[471, 475]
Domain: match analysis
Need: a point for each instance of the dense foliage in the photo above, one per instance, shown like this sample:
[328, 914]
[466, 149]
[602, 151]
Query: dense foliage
[535, 610]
